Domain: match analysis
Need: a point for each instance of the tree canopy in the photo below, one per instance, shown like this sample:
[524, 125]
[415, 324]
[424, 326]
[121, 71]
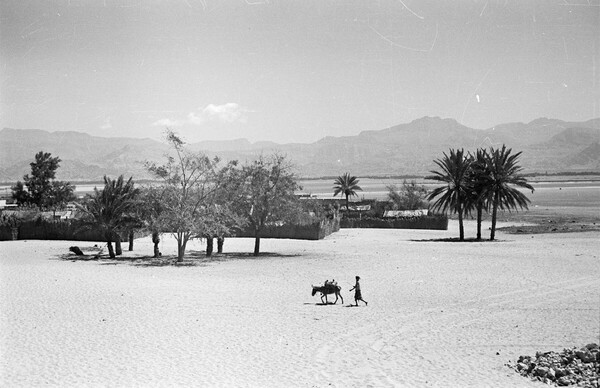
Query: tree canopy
[346, 185]
[453, 172]
[503, 178]
[410, 196]
[43, 190]
[486, 180]
[111, 209]
[267, 193]
[190, 206]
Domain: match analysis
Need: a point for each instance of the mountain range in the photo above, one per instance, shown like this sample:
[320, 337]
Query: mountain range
[547, 145]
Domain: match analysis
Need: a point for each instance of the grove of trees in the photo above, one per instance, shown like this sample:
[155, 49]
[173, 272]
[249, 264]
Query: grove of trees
[199, 197]
[196, 197]
[486, 180]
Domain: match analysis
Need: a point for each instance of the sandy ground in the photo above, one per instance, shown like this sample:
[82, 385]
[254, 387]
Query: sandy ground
[440, 314]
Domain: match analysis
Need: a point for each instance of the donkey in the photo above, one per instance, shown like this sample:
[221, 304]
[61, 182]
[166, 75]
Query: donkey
[328, 289]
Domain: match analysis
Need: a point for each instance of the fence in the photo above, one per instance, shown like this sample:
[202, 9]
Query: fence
[49, 230]
[73, 230]
[438, 222]
[314, 231]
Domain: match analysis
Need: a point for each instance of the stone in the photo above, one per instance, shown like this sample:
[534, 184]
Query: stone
[591, 346]
[585, 355]
[541, 371]
[560, 372]
[569, 367]
[524, 358]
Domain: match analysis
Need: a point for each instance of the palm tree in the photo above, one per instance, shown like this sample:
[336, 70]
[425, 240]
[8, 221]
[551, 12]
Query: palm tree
[454, 173]
[347, 185]
[478, 180]
[503, 175]
[110, 209]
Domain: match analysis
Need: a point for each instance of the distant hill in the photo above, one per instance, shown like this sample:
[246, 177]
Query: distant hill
[548, 145]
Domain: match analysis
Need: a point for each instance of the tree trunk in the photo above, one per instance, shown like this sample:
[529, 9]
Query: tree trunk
[256, 246]
[347, 204]
[118, 249]
[111, 252]
[181, 243]
[461, 228]
[156, 240]
[180, 252]
[479, 215]
[220, 241]
[130, 238]
[209, 246]
[494, 214]
[256, 242]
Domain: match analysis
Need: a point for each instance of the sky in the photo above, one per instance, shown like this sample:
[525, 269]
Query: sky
[293, 71]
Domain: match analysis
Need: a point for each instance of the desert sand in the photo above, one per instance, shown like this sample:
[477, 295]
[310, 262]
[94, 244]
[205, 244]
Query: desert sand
[440, 314]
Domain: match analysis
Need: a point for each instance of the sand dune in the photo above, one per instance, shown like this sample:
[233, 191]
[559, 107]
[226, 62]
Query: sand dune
[440, 314]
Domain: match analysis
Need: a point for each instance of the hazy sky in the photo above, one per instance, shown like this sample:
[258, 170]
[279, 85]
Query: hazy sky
[293, 71]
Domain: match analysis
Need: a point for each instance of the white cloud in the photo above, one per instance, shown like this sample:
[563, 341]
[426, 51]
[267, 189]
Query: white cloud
[226, 113]
[195, 119]
[168, 123]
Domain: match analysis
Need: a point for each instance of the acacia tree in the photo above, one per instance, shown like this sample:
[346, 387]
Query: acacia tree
[225, 216]
[111, 209]
[454, 170]
[188, 194]
[266, 193]
[347, 185]
[503, 174]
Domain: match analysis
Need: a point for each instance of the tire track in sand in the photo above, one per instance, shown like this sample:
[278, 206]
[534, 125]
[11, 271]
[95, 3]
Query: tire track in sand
[378, 347]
